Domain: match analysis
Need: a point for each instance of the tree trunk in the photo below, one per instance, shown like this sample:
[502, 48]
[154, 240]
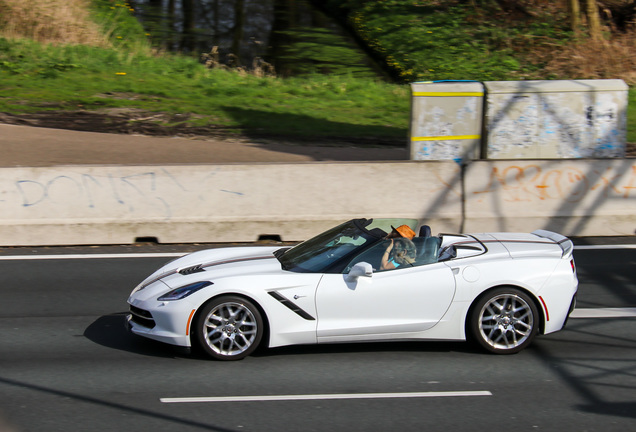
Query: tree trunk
[187, 39]
[593, 19]
[575, 15]
[239, 26]
[216, 39]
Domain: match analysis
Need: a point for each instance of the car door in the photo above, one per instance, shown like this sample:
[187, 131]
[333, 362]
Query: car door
[385, 305]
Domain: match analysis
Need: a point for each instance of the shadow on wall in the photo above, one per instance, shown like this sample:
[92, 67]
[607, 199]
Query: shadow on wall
[298, 126]
[555, 119]
[593, 180]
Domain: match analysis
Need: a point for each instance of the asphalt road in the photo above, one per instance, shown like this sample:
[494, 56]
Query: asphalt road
[67, 363]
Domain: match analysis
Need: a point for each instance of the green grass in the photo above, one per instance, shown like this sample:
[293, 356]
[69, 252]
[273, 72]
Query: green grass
[37, 78]
[120, 25]
[321, 51]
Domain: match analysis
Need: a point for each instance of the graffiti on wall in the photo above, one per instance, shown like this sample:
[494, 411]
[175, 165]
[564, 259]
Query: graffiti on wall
[155, 193]
[534, 182]
[556, 125]
[167, 194]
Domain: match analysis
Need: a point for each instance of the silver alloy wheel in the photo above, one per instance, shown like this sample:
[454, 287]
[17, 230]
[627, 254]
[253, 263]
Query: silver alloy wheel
[230, 329]
[506, 321]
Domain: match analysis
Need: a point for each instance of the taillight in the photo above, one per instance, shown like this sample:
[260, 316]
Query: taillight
[573, 266]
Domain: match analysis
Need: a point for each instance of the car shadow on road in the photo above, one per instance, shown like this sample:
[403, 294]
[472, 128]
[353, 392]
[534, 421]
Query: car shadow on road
[369, 347]
[110, 331]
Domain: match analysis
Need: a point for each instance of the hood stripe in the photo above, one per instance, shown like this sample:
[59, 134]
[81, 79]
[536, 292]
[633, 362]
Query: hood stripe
[203, 266]
[235, 260]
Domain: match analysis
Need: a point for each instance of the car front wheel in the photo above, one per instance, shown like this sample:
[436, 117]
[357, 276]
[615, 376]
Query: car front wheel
[229, 328]
[504, 321]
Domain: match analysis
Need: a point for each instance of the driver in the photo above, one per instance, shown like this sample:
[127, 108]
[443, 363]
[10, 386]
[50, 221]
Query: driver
[401, 250]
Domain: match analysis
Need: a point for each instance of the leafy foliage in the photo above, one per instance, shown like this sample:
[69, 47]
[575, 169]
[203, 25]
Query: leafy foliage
[441, 40]
[120, 25]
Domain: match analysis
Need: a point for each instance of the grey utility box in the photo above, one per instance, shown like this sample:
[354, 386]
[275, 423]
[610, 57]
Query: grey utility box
[446, 120]
[555, 119]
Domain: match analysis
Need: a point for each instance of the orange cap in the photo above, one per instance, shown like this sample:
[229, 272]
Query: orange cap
[404, 231]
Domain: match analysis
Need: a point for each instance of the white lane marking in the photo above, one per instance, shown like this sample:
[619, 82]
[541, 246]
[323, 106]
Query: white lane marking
[599, 247]
[179, 254]
[92, 256]
[604, 313]
[324, 397]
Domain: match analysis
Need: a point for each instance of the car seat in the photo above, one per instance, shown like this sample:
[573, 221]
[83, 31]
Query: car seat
[425, 231]
[427, 249]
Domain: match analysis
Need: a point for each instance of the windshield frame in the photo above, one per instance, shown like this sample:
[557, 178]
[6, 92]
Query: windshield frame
[332, 250]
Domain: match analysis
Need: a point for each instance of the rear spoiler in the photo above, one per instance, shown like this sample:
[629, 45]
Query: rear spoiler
[565, 243]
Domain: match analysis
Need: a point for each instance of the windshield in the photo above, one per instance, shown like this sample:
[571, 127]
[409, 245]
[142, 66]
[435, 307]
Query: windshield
[328, 252]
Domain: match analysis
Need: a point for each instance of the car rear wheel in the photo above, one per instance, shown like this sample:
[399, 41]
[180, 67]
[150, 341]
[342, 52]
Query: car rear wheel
[504, 321]
[229, 328]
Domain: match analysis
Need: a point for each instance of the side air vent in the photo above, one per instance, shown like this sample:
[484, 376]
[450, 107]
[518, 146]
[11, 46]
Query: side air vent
[190, 270]
[291, 305]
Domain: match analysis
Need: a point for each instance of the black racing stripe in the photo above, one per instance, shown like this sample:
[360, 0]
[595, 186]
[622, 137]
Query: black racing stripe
[502, 241]
[202, 267]
[235, 260]
[291, 305]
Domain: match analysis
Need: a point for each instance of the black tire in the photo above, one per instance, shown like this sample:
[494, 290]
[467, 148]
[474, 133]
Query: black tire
[229, 328]
[504, 321]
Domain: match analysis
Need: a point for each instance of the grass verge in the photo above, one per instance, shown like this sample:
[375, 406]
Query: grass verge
[38, 78]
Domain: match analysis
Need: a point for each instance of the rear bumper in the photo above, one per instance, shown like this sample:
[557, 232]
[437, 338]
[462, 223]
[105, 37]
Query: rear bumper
[572, 306]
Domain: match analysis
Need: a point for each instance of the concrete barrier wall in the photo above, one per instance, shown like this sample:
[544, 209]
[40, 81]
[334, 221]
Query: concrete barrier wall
[573, 197]
[235, 203]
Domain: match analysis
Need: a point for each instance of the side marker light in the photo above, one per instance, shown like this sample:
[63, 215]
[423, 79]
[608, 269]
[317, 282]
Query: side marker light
[547, 314]
[189, 321]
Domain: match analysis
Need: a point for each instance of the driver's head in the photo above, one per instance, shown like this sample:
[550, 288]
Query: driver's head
[404, 251]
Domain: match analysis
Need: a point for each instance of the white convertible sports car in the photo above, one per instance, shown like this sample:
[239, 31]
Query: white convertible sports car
[364, 280]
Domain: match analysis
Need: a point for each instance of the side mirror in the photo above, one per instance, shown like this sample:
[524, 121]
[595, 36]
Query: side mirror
[360, 269]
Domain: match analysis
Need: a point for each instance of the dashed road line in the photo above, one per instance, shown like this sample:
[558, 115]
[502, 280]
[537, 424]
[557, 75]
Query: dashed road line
[310, 397]
[91, 256]
[600, 247]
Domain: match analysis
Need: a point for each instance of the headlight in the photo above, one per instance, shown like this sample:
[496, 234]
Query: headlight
[184, 291]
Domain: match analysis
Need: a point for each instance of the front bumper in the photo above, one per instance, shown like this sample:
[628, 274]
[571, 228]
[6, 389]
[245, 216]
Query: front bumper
[180, 350]
[164, 324]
